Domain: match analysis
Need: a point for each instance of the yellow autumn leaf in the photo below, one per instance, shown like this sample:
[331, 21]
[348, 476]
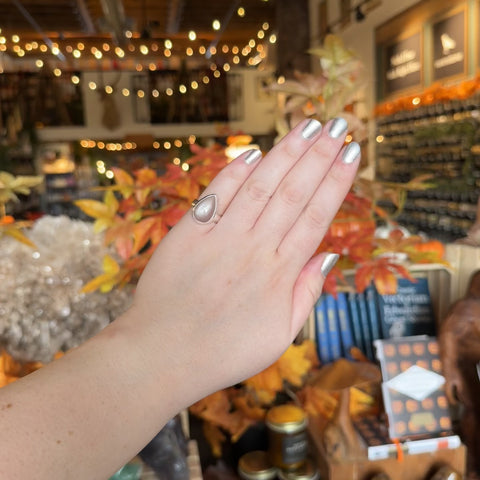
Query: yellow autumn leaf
[17, 234]
[10, 185]
[125, 183]
[266, 384]
[103, 212]
[107, 280]
[294, 364]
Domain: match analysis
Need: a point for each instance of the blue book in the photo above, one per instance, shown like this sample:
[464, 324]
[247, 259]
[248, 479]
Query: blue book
[409, 311]
[373, 315]
[321, 330]
[365, 324]
[355, 321]
[344, 324]
[333, 329]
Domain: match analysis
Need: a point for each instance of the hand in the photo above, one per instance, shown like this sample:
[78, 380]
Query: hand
[226, 298]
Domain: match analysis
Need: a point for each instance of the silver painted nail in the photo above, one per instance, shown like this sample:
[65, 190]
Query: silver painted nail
[311, 129]
[329, 262]
[338, 127]
[351, 153]
[252, 156]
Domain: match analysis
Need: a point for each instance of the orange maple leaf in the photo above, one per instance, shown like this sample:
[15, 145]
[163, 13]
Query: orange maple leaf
[383, 273]
[396, 242]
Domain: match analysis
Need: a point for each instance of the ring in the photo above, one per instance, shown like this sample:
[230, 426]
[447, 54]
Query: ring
[205, 209]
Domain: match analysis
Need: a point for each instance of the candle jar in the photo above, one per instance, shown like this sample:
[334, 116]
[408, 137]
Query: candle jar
[288, 442]
[308, 471]
[256, 466]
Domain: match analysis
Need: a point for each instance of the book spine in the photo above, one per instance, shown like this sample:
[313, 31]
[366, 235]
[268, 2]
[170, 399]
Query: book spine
[367, 336]
[321, 331]
[344, 324]
[374, 321]
[355, 321]
[333, 329]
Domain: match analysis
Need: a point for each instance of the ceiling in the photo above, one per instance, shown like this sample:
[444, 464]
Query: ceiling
[94, 21]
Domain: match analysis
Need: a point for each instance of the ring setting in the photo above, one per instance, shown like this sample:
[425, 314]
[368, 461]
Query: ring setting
[204, 209]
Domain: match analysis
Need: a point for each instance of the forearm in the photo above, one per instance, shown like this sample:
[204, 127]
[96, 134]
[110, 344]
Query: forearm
[86, 414]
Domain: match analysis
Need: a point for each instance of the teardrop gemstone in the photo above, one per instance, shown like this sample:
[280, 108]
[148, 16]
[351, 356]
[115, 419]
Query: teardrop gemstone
[205, 209]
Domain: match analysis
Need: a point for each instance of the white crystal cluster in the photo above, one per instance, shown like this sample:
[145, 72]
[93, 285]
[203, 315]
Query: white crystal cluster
[42, 309]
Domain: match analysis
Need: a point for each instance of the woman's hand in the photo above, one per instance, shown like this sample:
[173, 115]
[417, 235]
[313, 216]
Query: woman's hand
[218, 302]
[230, 295]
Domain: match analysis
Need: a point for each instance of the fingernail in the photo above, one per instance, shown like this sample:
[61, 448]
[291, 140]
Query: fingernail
[329, 262]
[351, 153]
[311, 129]
[338, 127]
[252, 156]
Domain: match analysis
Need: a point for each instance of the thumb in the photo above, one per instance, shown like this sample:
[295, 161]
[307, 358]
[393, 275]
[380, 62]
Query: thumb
[308, 287]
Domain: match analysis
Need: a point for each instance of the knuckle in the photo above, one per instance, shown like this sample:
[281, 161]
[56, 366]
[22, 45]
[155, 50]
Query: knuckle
[315, 216]
[292, 194]
[337, 175]
[258, 191]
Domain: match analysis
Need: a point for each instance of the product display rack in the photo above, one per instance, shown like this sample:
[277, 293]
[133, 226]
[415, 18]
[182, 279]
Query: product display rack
[440, 140]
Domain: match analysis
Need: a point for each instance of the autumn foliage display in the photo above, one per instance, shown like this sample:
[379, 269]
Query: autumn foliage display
[139, 209]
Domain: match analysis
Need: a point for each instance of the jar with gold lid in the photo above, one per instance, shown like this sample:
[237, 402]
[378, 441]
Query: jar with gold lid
[288, 442]
[256, 466]
[308, 471]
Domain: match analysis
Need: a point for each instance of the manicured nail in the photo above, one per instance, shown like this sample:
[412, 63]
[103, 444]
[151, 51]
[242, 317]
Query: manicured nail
[338, 127]
[311, 129]
[351, 153]
[252, 156]
[329, 262]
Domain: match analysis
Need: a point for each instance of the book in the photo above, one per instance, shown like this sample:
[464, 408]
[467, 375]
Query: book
[413, 386]
[321, 330]
[409, 311]
[344, 324]
[371, 297]
[333, 328]
[355, 321]
[365, 325]
[379, 445]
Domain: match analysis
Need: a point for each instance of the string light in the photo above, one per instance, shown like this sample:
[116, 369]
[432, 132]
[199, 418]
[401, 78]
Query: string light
[192, 35]
[216, 24]
[241, 12]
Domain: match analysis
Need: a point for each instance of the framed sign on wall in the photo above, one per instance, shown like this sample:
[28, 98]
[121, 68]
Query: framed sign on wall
[449, 45]
[402, 64]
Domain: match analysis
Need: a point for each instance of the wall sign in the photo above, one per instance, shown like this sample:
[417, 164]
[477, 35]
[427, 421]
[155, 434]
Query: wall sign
[403, 64]
[449, 47]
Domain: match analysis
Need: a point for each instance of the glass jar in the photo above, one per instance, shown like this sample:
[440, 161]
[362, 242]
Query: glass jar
[288, 442]
[256, 466]
[308, 471]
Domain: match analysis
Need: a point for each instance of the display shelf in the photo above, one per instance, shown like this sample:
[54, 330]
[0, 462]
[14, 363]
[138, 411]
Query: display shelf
[440, 140]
